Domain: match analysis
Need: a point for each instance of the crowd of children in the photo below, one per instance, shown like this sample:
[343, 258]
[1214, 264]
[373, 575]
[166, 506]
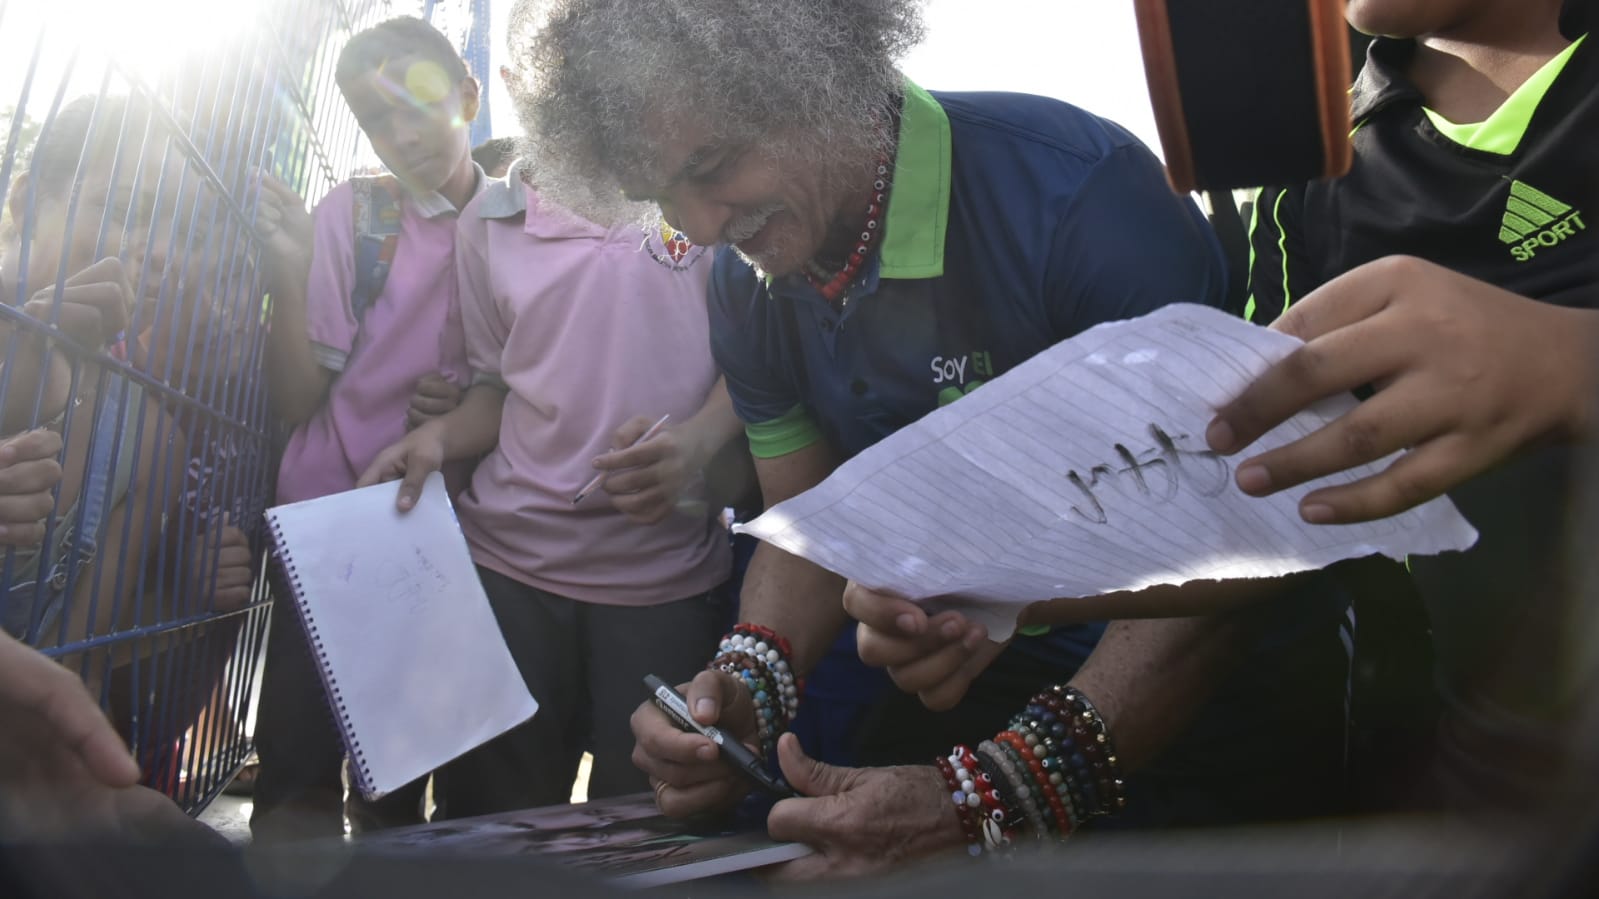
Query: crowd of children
[448, 316]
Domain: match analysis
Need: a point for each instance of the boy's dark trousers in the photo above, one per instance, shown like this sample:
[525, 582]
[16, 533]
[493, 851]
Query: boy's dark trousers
[585, 664]
[299, 792]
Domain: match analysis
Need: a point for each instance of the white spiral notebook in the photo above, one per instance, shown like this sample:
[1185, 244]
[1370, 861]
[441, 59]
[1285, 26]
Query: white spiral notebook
[415, 668]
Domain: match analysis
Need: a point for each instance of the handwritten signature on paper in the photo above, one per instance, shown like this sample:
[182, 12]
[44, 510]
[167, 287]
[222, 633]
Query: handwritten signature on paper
[1205, 472]
[412, 583]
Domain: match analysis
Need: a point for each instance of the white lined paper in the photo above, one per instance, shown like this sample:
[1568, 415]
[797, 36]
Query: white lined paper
[1085, 471]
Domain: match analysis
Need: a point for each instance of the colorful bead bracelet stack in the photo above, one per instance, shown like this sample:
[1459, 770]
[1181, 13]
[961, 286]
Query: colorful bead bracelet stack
[760, 657]
[1048, 773]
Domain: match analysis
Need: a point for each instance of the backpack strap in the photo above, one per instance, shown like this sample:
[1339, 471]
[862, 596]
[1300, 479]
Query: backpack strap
[376, 217]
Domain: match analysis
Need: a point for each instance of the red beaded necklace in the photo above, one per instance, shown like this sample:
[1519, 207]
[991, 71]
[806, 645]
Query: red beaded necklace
[833, 288]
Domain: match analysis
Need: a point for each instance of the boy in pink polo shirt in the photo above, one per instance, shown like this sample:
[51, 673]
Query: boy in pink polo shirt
[354, 363]
[580, 338]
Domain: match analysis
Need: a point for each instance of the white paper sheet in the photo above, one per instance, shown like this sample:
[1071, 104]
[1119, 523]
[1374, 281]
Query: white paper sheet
[409, 648]
[1085, 471]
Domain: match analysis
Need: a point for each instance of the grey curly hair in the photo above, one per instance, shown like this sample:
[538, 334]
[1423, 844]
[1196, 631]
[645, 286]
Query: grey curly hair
[601, 85]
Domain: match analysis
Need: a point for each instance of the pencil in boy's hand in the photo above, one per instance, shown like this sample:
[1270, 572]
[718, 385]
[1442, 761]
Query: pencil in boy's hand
[594, 482]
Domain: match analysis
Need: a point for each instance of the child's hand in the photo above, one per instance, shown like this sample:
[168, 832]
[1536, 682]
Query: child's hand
[286, 229]
[29, 471]
[936, 658]
[649, 477]
[235, 571]
[1467, 375]
[95, 304]
[415, 457]
[434, 397]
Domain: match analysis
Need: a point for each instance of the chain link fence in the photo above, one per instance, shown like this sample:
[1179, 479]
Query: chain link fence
[132, 401]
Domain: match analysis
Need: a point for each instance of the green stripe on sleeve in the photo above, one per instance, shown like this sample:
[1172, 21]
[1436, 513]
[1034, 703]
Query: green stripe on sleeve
[1282, 247]
[1254, 225]
[794, 431]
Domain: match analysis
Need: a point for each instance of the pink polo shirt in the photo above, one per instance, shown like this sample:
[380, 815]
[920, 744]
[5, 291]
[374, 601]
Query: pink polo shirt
[409, 331]
[586, 328]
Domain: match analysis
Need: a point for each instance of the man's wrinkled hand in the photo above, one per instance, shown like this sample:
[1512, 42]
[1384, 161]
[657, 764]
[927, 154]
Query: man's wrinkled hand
[685, 768]
[860, 820]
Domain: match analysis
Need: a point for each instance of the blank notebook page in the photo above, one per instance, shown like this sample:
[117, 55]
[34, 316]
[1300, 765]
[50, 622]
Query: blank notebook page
[409, 649]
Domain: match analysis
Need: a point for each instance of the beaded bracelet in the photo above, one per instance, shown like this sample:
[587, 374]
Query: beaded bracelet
[1044, 749]
[758, 680]
[759, 657]
[772, 650]
[744, 646]
[1078, 748]
[1014, 771]
[963, 811]
[1053, 769]
[981, 785]
[1043, 793]
[1095, 763]
[1021, 809]
[1006, 818]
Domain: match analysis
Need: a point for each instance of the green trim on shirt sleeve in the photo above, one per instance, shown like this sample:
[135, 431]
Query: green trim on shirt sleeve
[792, 432]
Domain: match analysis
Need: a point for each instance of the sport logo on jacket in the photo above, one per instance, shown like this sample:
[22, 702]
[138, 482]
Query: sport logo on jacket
[1535, 221]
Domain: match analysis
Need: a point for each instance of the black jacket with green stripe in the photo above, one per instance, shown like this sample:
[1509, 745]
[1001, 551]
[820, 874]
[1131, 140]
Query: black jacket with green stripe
[1513, 202]
[1517, 206]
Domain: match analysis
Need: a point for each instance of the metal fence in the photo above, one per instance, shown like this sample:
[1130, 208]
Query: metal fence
[134, 133]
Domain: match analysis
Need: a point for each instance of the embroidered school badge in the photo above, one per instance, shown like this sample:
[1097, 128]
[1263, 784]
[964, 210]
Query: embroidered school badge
[671, 248]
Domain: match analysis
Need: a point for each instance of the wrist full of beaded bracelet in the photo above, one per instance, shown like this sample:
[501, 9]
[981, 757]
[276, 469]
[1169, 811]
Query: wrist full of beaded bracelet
[1064, 740]
[759, 658]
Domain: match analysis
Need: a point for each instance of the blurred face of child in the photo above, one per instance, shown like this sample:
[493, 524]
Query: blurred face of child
[415, 117]
[129, 216]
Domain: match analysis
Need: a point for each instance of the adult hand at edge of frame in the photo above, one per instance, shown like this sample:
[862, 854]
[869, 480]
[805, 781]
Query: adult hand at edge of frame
[53, 731]
[1466, 374]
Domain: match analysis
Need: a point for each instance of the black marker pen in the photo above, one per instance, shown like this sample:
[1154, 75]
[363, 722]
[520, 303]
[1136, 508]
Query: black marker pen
[735, 753]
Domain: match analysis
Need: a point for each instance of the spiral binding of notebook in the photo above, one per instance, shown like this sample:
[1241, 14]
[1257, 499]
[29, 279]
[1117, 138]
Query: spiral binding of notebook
[319, 655]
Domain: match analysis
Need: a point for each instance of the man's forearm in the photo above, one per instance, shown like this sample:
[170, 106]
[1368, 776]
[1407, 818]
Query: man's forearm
[1149, 677]
[799, 600]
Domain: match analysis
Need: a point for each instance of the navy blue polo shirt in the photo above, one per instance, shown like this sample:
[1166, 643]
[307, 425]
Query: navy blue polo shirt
[1014, 222]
